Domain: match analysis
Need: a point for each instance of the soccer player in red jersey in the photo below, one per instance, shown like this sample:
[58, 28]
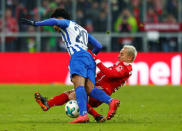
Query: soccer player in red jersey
[108, 79]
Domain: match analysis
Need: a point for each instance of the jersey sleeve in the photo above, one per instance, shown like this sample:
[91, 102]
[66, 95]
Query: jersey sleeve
[97, 46]
[115, 72]
[62, 23]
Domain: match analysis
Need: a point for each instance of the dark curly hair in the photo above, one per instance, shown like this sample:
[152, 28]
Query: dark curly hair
[59, 12]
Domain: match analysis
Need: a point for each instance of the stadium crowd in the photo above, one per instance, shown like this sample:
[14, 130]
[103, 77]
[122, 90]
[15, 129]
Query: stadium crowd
[126, 16]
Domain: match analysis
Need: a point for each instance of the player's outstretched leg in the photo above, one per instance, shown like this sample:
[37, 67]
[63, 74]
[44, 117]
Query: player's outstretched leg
[113, 105]
[81, 119]
[103, 97]
[42, 101]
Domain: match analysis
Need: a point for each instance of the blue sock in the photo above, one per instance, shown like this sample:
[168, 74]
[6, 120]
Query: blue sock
[100, 95]
[81, 98]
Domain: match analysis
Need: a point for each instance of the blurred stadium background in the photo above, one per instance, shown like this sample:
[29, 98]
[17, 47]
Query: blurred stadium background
[31, 57]
[147, 24]
[152, 26]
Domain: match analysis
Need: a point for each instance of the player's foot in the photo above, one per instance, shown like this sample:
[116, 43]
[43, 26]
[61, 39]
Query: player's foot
[42, 101]
[100, 118]
[112, 108]
[81, 119]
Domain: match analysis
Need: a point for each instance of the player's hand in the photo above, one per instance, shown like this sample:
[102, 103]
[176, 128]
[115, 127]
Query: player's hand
[27, 21]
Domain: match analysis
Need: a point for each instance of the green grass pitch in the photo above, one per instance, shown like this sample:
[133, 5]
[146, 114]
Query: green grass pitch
[143, 108]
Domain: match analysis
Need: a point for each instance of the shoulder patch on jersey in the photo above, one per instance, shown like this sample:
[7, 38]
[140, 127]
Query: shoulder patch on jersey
[129, 67]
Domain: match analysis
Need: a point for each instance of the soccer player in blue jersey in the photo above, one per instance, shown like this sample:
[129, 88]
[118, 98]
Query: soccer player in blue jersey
[82, 66]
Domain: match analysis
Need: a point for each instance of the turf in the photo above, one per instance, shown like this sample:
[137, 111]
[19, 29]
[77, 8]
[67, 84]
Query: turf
[143, 108]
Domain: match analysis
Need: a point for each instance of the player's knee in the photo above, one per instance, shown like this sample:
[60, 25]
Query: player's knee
[69, 92]
[78, 81]
[72, 96]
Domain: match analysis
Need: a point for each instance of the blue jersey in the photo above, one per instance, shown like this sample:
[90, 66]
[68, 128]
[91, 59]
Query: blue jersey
[76, 38]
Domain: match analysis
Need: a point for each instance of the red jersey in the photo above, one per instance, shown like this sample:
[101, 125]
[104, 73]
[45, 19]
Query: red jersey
[112, 78]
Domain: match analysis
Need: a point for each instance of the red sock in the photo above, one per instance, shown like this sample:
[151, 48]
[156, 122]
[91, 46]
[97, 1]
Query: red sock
[58, 100]
[91, 111]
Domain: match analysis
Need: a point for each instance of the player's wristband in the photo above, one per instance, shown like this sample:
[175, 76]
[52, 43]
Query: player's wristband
[97, 61]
